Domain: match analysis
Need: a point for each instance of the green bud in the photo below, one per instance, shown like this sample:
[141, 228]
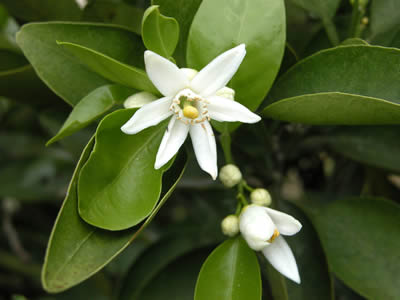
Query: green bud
[260, 197]
[230, 225]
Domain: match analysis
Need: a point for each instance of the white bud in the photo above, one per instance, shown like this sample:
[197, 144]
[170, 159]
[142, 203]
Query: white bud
[139, 99]
[226, 92]
[230, 175]
[260, 197]
[190, 73]
[230, 225]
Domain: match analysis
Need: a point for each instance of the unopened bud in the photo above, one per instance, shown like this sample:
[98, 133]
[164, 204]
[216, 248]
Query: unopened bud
[361, 3]
[260, 197]
[230, 225]
[226, 92]
[230, 175]
[139, 99]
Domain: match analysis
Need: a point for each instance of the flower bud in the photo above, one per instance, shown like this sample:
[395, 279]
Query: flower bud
[230, 225]
[230, 175]
[139, 99]
[226, 92]
[260, 197]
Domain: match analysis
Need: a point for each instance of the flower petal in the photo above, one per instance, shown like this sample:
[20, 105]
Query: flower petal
[286, 224]
[226, 110]
[256, 227]
[173, 138]
[218, 72]
[203, 141]
[282, 259]
[165, 75]
[148, 115]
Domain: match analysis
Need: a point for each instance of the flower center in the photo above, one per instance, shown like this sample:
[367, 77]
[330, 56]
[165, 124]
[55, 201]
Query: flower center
[189, 107]
[274, 236]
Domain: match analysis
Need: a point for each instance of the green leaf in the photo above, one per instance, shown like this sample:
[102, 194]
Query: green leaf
[221, 25]
[231, 272]
[110, 68]
[354, 41]
[118, 186]
[159, 33]
[183, 11]
[277, 283]
[143, 273]
[384, 21]
[325, 9]
[365, 144]
[44, 10]
[63, 73]
[316, 282]
[343, 82]
[8, 29]
[10, 60]
[77, 250]
[91, 107]
[360, 239]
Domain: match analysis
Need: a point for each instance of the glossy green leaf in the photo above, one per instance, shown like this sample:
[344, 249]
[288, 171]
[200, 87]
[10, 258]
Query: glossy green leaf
[384, 21]
[365, 144]
[110, 68]
[118, 186]
[159, 33]
[44, 10]
[77, 250]
[231, 272]
[221, 25]
[316, 282]
[343, 82]
[92, 107]
[183, 11]
[62, 72]
[156, 259]
[360, 239]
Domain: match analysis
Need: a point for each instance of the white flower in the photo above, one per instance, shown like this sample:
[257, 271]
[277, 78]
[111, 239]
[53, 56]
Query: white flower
[262, 228]
[190, 98]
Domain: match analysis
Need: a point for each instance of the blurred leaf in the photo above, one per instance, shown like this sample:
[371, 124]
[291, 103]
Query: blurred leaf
[8, 30]
[118, 186]
[377, 146]
[159, 33]
[44, 10]
[360, 239]
[11, 60]
[354, 41]
[62, 72]
[230, 272]
[343, 82]
[384, 21]
[323, 9]
[142, 275]
[183, 11]
[91, 107]
[277, 283]
[109, 11]
[77, 250]
[110, 68]
[235, 23]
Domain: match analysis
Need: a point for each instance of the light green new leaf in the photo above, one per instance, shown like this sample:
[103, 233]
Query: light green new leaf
[231, 272]
[183, 11]
[360, 237]
[91, 107]
[61, 71]
[221, 25]
[110, 68]
[118, 186]
[77, 250]
[340, 86]
[159, 33]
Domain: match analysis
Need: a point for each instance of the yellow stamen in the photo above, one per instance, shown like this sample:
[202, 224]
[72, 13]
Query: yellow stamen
[190, 112]
[274, 236]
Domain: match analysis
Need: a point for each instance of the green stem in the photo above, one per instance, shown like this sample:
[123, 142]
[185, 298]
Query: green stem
[357, 15]
[246, 186]
[12, 263]
[225, 139]
[331, 31]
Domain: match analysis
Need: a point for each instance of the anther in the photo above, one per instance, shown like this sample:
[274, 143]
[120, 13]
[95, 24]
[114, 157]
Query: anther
[274, 236]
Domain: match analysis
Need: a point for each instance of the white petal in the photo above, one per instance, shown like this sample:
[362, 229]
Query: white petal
[282, 259]
[226, 110]
[286, 224]
[203, 141]
[173, 138]
[148, 115]
[256, 227]
[165, 75]
[218, 72]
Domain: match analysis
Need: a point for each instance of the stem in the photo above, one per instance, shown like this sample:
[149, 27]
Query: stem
[225, 139]
[357, 15]
[331, 31]
[246, 186]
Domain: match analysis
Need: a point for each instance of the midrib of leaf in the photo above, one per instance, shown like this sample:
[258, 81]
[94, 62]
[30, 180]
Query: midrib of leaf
[235, 250]
[242, 19]
[160, 37]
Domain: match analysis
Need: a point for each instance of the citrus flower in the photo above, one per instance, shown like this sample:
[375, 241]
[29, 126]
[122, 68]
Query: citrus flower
[191, 100]
[262, 228]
